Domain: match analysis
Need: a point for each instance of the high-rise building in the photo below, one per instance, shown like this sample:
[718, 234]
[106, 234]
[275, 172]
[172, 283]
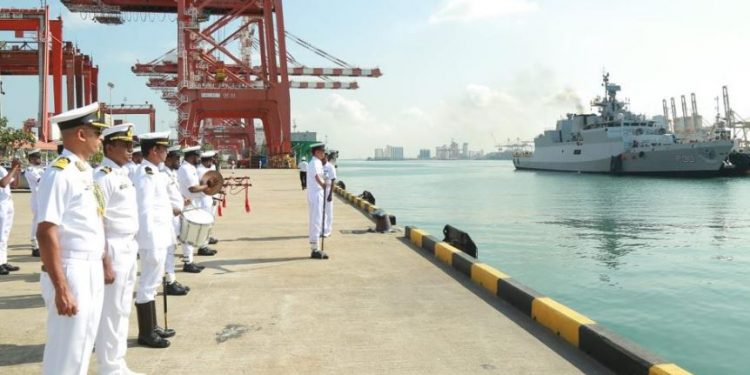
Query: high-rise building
[424, 154]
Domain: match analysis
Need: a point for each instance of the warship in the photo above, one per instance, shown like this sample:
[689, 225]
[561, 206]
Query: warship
[617, 141]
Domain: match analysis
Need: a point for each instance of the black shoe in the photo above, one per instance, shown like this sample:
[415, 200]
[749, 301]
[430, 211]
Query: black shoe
[3, 271]
[212, 241]
[200, 266]
[191, 268]
[205, 251]
[35, 253]
[164, 333]
[153, 341]
[176, 289]
[9, 267]
[317, 254]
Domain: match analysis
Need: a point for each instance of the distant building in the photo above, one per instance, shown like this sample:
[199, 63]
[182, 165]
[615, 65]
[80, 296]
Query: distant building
[465, 151]
[424, 154]
[394, 152]
[379, 154]
[304, 136]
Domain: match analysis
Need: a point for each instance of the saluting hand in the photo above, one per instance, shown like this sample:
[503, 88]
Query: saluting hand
[66, 302]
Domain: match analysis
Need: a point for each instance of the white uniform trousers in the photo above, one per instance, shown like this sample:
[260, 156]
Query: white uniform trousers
[6, 223]
[169, 261]
[315, 213]
[71, 339]
[207, 204]
[152, 269]
[329, 215]
[34, 220]
[112, 338]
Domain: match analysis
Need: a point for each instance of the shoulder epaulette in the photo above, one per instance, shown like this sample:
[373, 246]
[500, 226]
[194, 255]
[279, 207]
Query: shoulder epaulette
[61, 163]
[149, 170]
[105, 170]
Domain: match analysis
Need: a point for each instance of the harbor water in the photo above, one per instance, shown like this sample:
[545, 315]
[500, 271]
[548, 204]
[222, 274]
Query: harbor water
[664, 262]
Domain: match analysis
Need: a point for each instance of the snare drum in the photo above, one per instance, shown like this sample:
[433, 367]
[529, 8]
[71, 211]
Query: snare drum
[194, 227]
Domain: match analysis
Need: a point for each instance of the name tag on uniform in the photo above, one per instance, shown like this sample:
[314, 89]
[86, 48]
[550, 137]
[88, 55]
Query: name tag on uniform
[124, 186]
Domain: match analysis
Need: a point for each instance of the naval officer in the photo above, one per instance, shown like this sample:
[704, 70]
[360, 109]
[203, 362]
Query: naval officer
[207, 202]
[136, 158]
[169, 169]
[329, 171]
[154, 235]
[6, 214]
[33, 173]
[315, 188]
[71, 240]
[120, 227]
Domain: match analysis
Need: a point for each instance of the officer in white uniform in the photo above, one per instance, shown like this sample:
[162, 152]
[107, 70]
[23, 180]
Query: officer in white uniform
[315, 184]
[169, 169]
[136, 158]
[154, 235]
[192, 191]
[329, 170]
[302, 166]
[6, 214]
[71, 239]
[120, 227]
[33, 173]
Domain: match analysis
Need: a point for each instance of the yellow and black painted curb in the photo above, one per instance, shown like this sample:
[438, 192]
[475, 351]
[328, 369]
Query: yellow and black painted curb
[616, 353]
[357, 202]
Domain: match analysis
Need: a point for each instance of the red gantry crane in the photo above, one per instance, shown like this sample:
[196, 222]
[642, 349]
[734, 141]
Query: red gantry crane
[210, 77]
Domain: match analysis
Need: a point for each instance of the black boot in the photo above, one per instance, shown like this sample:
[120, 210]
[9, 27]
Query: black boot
[176, 289]
[146, 324]
[35, 252]
[163, 333]
[212, 241]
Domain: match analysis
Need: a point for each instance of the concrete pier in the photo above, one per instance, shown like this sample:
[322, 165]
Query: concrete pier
[262, 306]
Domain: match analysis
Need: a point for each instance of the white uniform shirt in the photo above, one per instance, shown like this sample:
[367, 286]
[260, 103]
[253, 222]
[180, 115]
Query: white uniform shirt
[187, 176]
[207, 201]
[175, 197]
[120, 205]
[4, 192]
[330, 172]
[131, 168]
[302, 166]
[68, 198]
[314, 168]
[154, 207]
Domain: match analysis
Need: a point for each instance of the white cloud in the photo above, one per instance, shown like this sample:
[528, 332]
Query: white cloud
[469, 10]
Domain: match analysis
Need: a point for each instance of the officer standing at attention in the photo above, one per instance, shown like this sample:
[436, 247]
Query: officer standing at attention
[192, 190]
[6, 214]
[154, 236]
[71, 239]
[315, 187]
[329, 170]
[169, 169]
[136, 158]
[33, 174]
[303, 172]
[120, 227]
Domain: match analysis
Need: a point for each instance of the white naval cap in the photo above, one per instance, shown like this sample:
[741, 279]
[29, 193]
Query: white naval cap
[88, 115]
[122, 132]
[136, 150]
[317, 146]
[192, 150]
[208, 154]
[158, 138]
[35, 151]
[175, 148]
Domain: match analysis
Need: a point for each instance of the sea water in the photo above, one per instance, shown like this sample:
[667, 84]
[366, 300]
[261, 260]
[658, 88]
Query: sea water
[664, 262]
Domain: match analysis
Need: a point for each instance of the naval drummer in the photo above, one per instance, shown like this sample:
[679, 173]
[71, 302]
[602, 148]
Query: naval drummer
[208, 203]
[192, 191]
[120, 227]
[33, 173]
[71, 239]
[154, 236]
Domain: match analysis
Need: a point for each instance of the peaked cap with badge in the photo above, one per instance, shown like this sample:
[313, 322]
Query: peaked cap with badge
[192, 150]
[122, 132]
[208, 154]
[88, 115]
[155, 138]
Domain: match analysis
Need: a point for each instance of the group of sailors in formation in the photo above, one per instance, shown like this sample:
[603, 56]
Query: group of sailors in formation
[92, 225]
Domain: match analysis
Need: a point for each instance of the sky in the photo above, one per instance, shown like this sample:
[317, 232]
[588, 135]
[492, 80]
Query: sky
[476, 71]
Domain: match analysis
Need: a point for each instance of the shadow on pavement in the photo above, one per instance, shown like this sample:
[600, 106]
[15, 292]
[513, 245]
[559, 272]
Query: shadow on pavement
[11, 354]
[29, 301]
